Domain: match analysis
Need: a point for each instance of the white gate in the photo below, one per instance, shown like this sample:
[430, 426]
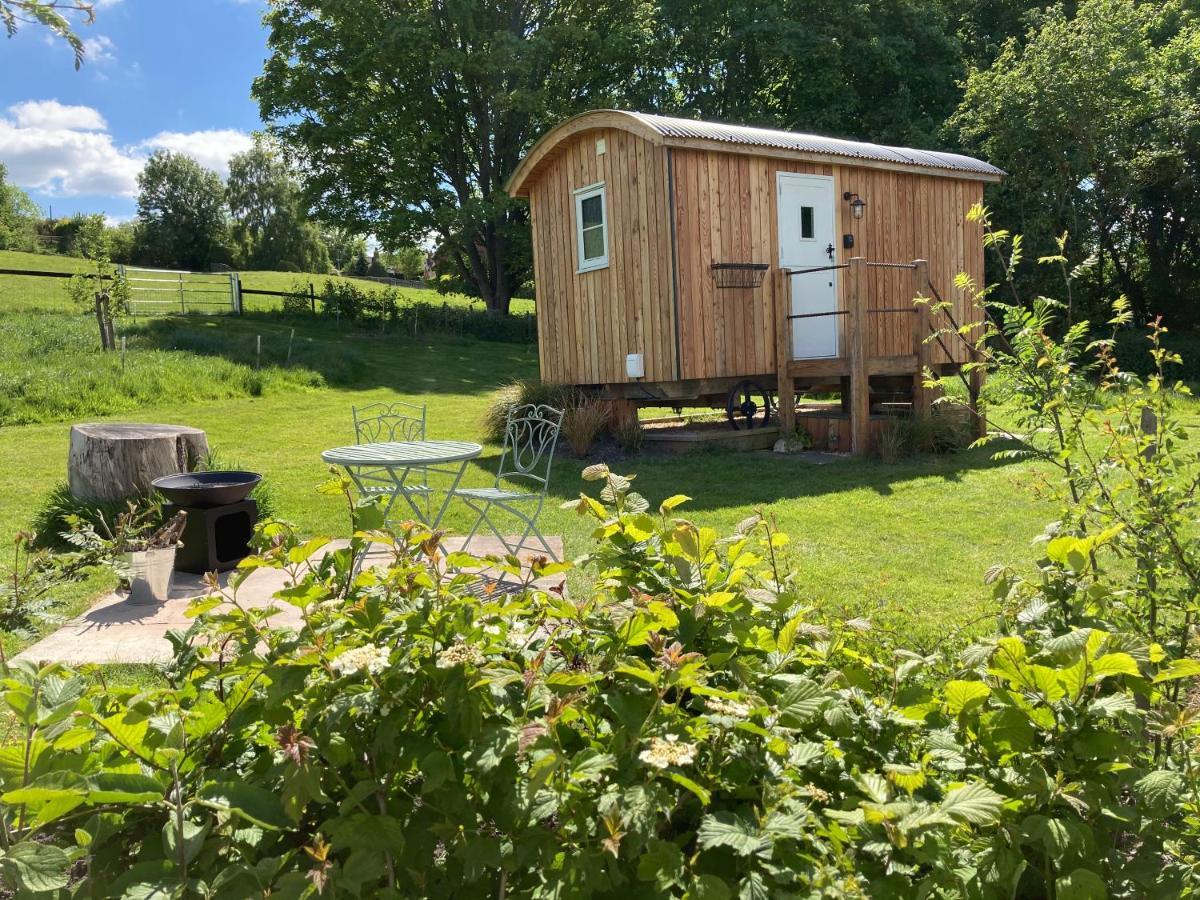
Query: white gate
[158, 292]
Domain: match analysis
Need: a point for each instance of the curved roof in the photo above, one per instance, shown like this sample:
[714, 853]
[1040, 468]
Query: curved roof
[665, 130]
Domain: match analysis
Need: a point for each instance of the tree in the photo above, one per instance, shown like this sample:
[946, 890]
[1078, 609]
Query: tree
[18, 217]
[408, 117]
[884, 71]
[344, 246]
[269, 218]
[182, 219]
[53, 14]
[407, 260]
[1095, 119]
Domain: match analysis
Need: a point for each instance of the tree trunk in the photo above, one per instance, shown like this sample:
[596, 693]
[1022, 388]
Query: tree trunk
[113, 461]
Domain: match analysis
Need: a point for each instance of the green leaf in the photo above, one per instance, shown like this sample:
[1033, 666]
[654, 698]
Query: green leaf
[194, 834]
[964, 695]
[800, 702]
[1081, 884]
[975, 803]
[709, 887]
[1160, 789]
[1113, 664]
[701, 792]
[36, 867]
[671, 502]
[254, 804]
[1179, 668]
[725, 829]
[125, 787]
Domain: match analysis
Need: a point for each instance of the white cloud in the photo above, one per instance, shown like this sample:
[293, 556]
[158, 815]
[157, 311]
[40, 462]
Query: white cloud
[99, 49]
[211, 149]
[66, 151]
[50, 114]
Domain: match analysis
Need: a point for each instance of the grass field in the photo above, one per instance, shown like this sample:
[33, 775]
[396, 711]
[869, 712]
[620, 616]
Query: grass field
[31, 294]
[908, 543]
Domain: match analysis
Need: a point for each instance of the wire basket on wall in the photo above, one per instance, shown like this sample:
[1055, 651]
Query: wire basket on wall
[739, 275]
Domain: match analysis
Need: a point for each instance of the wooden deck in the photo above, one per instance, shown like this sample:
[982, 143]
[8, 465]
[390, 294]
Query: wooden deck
[860, 364]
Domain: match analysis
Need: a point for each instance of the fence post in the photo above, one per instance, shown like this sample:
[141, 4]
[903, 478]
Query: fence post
[312, 297]
[182, 302]
[784, 383]
[922, 396]
[860, 387]
[235, 290]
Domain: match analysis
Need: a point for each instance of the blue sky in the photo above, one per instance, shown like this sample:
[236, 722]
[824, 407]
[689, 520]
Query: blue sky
[171, 74]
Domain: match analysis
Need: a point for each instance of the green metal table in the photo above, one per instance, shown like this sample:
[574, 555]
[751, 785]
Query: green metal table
[386, 469]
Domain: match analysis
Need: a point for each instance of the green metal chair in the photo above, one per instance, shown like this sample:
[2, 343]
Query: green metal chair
[530, 437]
[388, 423]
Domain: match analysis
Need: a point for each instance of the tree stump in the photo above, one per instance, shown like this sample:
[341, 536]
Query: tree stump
[110, 462]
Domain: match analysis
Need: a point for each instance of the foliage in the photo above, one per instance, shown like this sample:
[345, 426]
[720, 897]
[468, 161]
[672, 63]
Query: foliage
[1094, 118]
[882, 71]
[104, 292]
[60, 510]
[692, 726]
[457, 93]
[182, 219]
[270, 221]
[388, 310]
[344, 246]
[946, 429]
[31, 589]
[629, 435]
[53, 14]
[18, 217]
[408, 260]
[522, 392]
[585, 418]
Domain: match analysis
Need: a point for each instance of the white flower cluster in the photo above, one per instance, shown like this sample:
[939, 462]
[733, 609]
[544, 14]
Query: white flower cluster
[668, 751]
[735, 709]
[459, 654]
[367, 658]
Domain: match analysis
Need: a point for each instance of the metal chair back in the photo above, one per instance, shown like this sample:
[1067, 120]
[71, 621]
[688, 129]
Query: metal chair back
[530, 436]
[386, 422]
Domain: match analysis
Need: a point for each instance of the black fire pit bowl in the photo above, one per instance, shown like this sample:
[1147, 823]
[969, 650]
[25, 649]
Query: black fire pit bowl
[205, 490]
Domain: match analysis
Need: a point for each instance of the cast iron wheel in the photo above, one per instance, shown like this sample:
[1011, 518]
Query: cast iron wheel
[747, 400]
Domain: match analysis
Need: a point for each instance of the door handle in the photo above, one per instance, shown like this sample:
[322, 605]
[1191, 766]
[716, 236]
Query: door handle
[830, 250]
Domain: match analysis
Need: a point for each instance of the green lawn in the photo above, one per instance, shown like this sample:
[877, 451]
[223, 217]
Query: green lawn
[908, 543]
[31, 294]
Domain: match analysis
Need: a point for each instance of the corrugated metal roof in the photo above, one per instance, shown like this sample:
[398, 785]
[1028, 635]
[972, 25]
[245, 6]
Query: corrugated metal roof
[813, 143]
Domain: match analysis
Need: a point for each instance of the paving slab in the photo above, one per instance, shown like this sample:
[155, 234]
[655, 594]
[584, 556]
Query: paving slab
[117, 631]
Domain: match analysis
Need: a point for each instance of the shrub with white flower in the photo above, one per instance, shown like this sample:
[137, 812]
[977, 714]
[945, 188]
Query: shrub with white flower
[734, 709]
[668, 751]
[459, 654]
[368, 658]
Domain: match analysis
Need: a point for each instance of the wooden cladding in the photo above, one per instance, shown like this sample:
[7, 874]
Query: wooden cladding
[673, 212]
[589, 321]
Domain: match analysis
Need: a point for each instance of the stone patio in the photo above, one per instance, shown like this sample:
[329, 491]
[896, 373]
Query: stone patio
[115, 631]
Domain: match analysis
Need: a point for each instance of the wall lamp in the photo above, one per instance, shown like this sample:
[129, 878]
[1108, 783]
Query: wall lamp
[857, 204]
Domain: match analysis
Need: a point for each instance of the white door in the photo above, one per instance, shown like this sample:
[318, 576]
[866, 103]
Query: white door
[808, 239]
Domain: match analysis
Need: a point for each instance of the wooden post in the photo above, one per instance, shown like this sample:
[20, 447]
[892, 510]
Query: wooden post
[975, 388]
[785, 384]
[622, 413]
[860, 389]
[922, 328]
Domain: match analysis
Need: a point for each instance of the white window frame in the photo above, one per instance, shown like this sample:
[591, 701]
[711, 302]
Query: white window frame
[586, 193]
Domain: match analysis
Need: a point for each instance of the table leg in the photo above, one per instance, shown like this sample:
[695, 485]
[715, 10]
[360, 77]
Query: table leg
[462, 468]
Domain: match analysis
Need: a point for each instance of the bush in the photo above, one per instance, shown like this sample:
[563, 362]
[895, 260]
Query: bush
[691, 727]
[629, 436]
[584, 420]
[523, 392]
[946, 429]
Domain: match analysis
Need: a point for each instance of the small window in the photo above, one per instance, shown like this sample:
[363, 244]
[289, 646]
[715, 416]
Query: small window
[591, 228]
[806, 223]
